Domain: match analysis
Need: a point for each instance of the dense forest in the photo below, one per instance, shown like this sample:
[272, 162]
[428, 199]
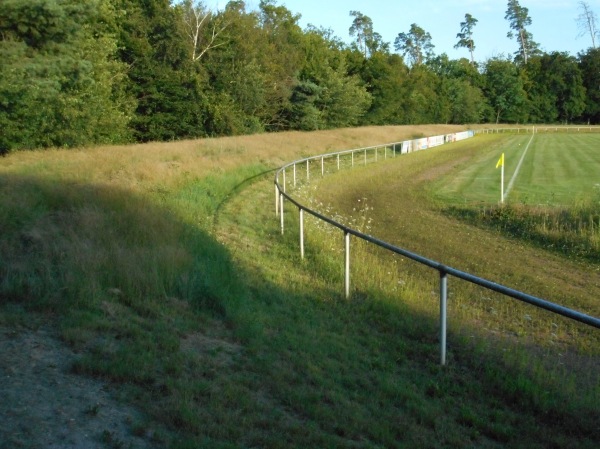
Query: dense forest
[83, 72]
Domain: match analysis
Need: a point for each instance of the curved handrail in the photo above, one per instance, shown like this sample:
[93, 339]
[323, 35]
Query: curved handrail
[443, 270]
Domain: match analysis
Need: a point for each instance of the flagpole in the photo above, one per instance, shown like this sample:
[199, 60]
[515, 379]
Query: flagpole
[500, 164]
[502, 184]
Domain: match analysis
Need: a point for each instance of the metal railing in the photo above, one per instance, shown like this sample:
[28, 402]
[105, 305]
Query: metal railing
[443, 270]
[539, 129]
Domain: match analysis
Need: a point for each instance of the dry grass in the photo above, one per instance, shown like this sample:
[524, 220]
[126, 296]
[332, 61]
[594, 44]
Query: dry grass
[149, 165]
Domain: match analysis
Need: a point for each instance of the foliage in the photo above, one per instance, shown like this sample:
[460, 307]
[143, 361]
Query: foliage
[460, 90]
[60, 81]
[518, 18]
[386, 78]
[465, 37]
[505, 91]
[201, 28]
[362, 28]
[416, 44]
[161, 76]
[368, 41]
[556, 90]
[589, 63]
[81, 73]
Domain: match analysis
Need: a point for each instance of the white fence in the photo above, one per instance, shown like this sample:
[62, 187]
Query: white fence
[392, 149]
[540, 129]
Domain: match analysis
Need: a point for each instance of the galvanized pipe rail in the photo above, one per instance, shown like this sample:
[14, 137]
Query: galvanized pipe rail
[540, 129]
[443, 270]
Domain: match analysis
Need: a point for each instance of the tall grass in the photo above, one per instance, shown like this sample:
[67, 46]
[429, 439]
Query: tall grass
[164, 266]
[392, 202]
[571, 231]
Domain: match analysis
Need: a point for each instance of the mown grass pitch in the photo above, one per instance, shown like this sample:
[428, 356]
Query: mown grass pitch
[558, 169]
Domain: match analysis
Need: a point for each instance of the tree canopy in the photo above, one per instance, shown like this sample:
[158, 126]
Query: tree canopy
[90, 72]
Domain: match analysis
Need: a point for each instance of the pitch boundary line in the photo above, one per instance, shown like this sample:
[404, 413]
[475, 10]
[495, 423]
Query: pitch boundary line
[514, 176]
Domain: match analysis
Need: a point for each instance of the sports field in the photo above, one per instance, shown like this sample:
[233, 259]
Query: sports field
[553, 169]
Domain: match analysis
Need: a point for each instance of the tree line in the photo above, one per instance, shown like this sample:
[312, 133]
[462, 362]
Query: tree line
[83, 72]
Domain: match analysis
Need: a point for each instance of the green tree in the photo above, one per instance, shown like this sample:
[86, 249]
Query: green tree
[504, 91]
[60, 82]
[556, 91]
[518, 18]
[362, 29]
[416, 44]
[465, 37]
[385, 76]
[468, 104]
[236, 91]
[326, 95]
[422, 102]
[304, 112]
[367, 40]
[459, 90]
[252, 78]
[589, 64]
[166, 84]
[344, 100]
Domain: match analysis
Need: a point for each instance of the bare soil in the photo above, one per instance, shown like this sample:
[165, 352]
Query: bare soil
[44, 405]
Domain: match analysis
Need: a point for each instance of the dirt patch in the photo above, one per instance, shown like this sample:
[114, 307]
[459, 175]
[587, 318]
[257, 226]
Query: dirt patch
[440, 170]
[220, 352]
[44, 405]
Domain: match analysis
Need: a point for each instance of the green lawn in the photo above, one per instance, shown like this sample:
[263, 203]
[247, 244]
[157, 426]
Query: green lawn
[558, 169]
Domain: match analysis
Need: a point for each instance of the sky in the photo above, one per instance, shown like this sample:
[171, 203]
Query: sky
[554, 22]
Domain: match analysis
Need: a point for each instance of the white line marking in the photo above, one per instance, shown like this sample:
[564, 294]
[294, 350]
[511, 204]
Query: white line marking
[514, 176]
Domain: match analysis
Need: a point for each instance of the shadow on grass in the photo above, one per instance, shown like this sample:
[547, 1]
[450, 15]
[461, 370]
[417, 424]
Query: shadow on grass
[218, 355]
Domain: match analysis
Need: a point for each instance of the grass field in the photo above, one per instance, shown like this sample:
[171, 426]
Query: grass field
[164, 268]
[404, 207]
[558, 169]
[552, 191]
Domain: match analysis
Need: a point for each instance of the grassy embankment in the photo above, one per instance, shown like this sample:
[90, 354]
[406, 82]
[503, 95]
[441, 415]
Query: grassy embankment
[187, 297]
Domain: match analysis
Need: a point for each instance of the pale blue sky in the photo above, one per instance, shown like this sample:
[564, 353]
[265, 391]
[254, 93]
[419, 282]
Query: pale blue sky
[553, 26]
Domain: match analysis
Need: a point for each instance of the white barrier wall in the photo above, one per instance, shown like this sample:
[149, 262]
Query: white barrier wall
[409, 146]
[435, 141]
[462, 135]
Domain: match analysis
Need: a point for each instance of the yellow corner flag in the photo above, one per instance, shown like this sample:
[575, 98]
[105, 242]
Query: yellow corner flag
[500, 161]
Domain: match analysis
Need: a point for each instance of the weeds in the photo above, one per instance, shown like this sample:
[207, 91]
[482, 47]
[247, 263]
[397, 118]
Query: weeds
[570, 231]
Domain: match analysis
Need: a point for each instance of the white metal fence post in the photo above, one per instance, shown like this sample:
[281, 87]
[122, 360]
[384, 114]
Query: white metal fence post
[276, 201]
[443, 316]
[301, 233]
[281, 211]
[307, 170]
[347, 264]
